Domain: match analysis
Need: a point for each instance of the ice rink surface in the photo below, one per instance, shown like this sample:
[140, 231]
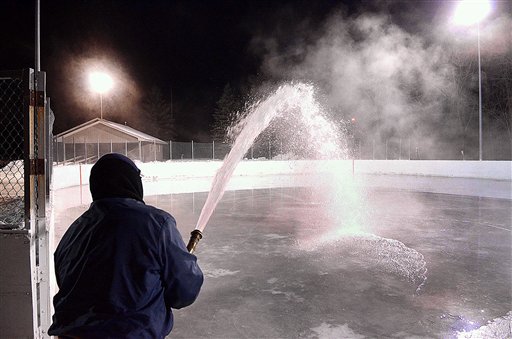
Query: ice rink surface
[400, 264]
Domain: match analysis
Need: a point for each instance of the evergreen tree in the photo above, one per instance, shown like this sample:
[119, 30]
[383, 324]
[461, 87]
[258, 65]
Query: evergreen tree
[157, 118]
[225, 114]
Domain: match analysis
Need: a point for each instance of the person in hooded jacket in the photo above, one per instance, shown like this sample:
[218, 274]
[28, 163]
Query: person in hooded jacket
[122, 265]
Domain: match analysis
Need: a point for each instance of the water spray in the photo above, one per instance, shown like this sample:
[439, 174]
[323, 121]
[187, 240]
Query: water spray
[287, 98]
[195, 236]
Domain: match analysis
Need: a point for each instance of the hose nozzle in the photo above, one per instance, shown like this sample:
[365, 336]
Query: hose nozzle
[195, 236]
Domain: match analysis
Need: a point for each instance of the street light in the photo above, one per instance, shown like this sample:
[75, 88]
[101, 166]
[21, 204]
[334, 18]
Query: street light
[100, 83]
[470, 12]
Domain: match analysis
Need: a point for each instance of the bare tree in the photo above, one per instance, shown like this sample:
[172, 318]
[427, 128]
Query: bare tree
[499, 87]
[226, 114]
[461, 102]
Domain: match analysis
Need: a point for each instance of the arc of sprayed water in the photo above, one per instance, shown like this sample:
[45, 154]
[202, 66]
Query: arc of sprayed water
[258, 119]
[290, 98]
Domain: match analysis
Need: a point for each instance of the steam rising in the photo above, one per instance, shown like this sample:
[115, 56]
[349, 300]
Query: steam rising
[396, 84]
[371, 69]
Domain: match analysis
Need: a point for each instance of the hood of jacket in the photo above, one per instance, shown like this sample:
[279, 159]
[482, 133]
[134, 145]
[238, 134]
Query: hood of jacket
[115, 176]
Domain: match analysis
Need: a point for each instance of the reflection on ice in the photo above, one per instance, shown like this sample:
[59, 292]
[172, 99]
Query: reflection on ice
[326, 330]
[497, 328]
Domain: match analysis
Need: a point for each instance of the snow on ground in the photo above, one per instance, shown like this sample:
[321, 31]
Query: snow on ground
[11, 194]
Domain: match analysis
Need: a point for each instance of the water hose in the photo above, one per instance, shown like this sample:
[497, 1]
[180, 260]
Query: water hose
[195, 236]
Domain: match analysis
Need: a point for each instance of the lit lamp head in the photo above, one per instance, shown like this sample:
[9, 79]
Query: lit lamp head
[470, 12]
[100, 82]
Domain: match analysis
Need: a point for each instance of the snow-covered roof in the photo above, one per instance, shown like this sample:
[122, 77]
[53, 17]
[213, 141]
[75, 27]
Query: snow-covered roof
[141, 136]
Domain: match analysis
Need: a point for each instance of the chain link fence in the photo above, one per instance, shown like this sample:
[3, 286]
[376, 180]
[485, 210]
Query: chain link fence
[13, 106]
[391, 149]
[78, 151]
[216, 150]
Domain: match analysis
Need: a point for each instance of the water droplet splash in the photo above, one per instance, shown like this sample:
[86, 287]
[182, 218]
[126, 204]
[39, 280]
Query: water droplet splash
[290, 100]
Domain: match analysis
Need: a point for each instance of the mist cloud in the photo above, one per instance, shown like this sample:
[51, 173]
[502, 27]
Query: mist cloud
[370, 69]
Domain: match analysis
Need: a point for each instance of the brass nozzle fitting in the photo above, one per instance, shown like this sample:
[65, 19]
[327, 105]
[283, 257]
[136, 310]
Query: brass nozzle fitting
[195, 236]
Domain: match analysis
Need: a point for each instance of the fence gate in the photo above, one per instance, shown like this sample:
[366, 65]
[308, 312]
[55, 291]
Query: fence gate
[24, 252]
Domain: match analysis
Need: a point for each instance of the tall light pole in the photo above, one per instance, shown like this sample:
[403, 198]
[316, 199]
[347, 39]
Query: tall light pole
[100, 82]
[470, 12]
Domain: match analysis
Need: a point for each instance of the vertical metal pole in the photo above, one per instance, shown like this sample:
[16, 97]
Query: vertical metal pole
[154, 147]
[400, 150]
[386, 149]
[98, 146]
[480, 133]
[74, 151]
[373, 149]
[213, 149]
[269, 150]
[192, 149]
[80, 174]
[38, 37]
[110, 145]
[39, 237]
[140, 150]
[64, 144]
[56, 149]
[409, 148]
[85, 149]
[170, 149]
[126, 147]
[49, 146]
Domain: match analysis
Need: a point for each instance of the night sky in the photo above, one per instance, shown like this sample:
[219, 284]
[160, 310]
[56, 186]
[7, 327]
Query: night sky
[188, 49]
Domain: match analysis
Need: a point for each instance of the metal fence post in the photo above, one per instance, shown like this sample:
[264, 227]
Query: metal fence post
[400, 148]
[64, 143]
[126, 148]
[192, 149]
[170, 149]
[74, 151]
[386, 149]
[140, 151]
[213, 149]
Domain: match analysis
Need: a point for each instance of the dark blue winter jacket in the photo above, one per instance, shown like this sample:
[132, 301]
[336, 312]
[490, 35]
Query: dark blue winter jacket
[120, 267]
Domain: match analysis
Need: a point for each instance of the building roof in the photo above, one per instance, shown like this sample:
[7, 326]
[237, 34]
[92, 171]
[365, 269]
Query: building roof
[140, 136]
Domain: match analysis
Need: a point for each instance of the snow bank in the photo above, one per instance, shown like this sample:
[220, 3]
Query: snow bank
[496, 170]
[74, 175]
